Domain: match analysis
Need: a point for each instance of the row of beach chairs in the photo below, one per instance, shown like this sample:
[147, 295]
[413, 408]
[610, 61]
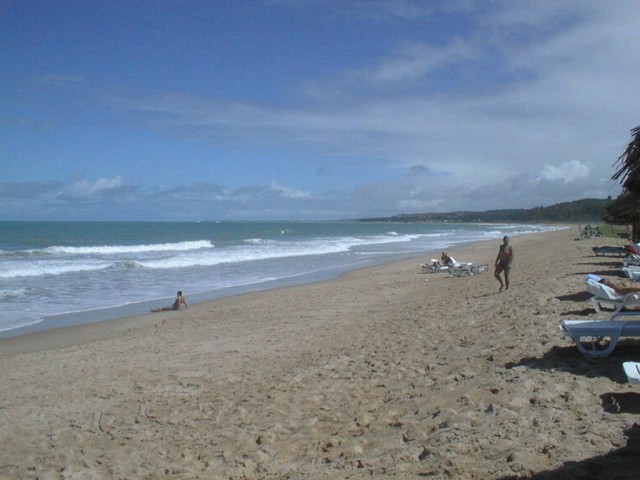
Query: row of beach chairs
[598, 338]
[624, 251]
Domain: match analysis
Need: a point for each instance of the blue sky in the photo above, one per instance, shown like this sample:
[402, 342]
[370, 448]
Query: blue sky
[310, 109]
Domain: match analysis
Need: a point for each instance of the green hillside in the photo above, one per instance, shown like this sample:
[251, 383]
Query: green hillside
[580, 211]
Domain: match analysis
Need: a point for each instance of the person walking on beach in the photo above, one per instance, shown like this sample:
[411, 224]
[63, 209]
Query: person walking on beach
[503, 263]
[178, 302]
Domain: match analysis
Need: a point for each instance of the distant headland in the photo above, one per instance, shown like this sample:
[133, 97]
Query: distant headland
[578, 211]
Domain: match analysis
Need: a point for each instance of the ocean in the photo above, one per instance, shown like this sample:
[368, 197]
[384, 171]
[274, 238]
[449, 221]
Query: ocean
[55, 274]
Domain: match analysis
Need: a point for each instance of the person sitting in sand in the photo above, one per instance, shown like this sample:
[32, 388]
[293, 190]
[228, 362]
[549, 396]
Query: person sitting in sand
[178, 302]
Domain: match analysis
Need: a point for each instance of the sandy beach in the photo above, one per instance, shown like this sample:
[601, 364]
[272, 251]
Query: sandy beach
[383, 373]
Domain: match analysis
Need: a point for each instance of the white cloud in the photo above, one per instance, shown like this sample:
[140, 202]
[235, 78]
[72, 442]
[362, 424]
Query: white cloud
[412, 62]
[565, 172]
[86, 189]
[280, 191]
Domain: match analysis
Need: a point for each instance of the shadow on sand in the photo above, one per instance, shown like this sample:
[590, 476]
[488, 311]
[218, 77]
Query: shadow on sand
[619, 464]
[575, 297]
[586, 312]
[569, 359]
[605, 273]
[628, 402]
[602, 264]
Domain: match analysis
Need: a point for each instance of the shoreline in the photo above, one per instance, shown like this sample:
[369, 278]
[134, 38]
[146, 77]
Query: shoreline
[383, 372]
[143, 308]
[36, 334]
[36, 303]
[64, 336]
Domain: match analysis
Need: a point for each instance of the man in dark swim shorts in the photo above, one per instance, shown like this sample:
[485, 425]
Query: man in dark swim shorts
[503, 263]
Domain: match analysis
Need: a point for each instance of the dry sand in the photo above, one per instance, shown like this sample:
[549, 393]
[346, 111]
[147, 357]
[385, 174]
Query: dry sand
[382, 373]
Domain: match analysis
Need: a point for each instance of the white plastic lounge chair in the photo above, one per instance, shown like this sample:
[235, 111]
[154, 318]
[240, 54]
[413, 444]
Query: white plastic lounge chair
[632, 369]
[604, 295]
[631, 271]
[480, 268]
[598, 338]
[468, 269]
[603, 251]
[632, 259]
[433, 266]
[461, 268]
[592, 276]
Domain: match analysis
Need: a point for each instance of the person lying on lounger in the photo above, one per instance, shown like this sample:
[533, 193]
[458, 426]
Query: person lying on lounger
[621, 285]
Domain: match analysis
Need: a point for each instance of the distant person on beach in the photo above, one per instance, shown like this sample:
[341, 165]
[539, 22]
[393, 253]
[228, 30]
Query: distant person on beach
[503, 263]
[178, 302]
[446, 260]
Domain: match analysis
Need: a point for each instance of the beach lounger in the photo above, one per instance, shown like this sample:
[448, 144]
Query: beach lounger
[604, 295]
[632, 370]
[598, 338]
[459, 269]
[633, 249]
[433, 267]
[468, 269]
[480, 268]
[616, 251]
[632, 260]
[631, 271]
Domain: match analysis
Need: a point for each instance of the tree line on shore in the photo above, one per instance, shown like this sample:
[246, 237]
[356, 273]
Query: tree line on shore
[579, 211]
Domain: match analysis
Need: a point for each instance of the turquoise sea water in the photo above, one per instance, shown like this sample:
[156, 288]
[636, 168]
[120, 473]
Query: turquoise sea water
[59, 273]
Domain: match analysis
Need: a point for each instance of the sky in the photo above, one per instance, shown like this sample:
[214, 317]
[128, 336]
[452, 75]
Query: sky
[191, 110]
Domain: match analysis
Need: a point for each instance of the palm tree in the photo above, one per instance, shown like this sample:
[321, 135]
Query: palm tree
[626, 208]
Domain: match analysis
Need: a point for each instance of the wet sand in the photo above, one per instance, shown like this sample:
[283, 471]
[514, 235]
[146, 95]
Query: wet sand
[383, 373]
